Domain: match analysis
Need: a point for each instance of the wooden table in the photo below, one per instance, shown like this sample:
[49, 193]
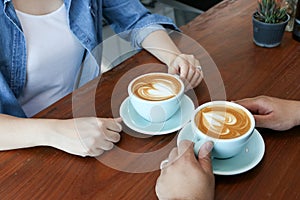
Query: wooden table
[225, 31]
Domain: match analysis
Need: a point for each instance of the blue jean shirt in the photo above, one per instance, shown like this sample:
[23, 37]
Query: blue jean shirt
[85, 19]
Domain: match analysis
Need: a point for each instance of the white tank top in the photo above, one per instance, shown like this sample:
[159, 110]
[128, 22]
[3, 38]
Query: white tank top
[53, 62]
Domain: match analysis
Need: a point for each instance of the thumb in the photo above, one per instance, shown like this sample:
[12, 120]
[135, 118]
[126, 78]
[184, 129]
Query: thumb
[119, 119]
[173, 68]
[204, 157]
[118, 123]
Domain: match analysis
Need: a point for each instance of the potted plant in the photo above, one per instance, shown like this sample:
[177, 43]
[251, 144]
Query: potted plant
[269, 22]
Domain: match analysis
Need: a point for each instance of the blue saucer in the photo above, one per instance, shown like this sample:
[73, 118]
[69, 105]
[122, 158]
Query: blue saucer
[244, 161]
[135, 122]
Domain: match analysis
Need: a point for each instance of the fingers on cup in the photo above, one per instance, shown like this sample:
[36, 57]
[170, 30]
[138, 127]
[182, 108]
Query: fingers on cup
[113, 124]
[205, 149]
[105, 145]
[112, 136]
[184, 146]
[173, 155]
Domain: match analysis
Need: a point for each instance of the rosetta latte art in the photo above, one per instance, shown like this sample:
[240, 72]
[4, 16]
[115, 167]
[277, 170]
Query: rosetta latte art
[223, 122]
[156, 88]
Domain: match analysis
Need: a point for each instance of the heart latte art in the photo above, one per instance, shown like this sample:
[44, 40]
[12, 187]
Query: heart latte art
[156, 87]
[223, 122]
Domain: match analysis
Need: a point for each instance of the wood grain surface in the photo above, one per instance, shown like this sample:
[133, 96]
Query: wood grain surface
[236, 69]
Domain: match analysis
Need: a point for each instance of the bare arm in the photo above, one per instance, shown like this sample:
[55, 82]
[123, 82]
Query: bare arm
[82, 136]
[21, 133]
[161, 46]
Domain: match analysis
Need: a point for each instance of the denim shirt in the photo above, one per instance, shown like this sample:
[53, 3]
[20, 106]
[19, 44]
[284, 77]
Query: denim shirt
[85, 19]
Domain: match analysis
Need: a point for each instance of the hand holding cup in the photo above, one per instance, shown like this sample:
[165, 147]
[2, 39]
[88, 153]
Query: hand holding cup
[228, 125]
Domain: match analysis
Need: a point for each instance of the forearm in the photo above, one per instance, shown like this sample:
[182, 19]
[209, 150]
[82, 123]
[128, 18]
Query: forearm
[88, 136]
[22, 133]
[161, 46]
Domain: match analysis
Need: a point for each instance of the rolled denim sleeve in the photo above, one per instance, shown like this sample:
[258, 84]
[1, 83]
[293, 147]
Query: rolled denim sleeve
[8, 102]
[132, 21]
[141, 34]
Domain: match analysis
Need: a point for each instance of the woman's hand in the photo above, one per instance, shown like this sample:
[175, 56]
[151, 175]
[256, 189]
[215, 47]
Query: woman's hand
[87, 136]
[188, 68]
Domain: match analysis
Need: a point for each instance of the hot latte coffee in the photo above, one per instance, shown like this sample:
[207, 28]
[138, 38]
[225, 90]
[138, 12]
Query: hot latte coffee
[224, 122]
[156, 87]
[156, 96]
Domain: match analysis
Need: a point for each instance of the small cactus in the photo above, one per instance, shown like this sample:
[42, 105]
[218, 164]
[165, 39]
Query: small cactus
[271, 11]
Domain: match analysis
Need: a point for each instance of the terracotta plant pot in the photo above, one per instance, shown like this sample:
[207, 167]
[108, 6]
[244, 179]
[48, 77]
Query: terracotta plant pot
[266, 34]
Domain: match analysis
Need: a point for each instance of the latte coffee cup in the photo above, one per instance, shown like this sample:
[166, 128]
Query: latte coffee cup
[156, 96]
[227, 124]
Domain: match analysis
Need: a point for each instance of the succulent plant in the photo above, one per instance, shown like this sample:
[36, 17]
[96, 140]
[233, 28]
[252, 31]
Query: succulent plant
[271, 11]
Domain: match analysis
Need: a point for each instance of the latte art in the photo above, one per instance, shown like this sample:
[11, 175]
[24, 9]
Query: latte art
[223, 122]
[156, 87]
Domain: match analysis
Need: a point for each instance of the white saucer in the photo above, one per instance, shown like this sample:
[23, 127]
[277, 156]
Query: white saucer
[135, 122]
[244, 161]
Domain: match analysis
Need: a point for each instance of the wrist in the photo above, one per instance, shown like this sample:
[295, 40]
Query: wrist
[170, 59]
[48, 131]
[34, 131]
[160, 45]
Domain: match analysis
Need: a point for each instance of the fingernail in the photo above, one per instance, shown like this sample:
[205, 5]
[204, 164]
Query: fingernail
[205, 149]
[209, 146]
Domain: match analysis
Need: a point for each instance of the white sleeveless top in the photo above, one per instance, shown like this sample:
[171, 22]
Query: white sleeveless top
[53, 62]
